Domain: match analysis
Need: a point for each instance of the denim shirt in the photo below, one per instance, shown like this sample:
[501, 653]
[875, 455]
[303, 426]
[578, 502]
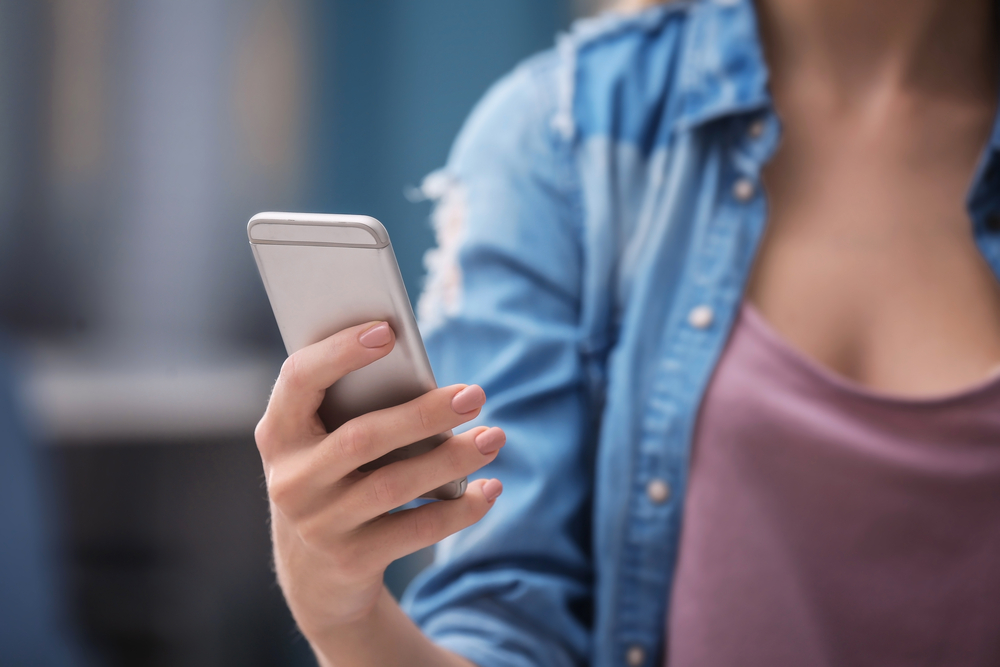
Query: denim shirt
[597, 221]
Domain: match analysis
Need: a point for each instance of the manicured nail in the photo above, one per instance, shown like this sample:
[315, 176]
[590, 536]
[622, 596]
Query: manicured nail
[490, 440]
[468, 399]
[492, 489]
[376, 336]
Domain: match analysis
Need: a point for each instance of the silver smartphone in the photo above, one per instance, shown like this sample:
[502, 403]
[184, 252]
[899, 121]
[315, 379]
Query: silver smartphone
[324, 273]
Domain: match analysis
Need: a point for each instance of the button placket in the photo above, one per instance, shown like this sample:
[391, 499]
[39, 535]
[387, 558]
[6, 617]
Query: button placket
[741, 195]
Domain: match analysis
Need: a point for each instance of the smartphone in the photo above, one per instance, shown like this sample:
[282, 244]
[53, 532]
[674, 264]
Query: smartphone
[324, 273]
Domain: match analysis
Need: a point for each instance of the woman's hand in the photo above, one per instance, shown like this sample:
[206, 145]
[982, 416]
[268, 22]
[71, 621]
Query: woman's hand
[333, 536]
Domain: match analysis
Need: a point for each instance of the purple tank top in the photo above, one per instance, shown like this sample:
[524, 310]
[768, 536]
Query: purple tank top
[827, 524]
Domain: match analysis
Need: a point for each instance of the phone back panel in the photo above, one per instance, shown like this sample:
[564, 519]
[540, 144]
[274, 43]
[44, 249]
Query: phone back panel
[324, 273]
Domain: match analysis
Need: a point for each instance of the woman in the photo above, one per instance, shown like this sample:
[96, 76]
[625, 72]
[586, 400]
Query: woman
[726, 447]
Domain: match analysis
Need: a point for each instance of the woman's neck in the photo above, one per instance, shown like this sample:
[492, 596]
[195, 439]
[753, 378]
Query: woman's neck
[851, 48]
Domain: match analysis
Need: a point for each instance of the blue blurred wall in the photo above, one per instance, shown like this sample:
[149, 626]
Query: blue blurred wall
[395, 80]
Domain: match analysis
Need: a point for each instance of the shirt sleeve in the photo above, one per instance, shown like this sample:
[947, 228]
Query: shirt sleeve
[502, 309]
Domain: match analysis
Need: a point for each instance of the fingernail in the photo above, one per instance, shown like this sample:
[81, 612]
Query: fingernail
[468, 399]
[490, 440]
[492, 489]
[376, 336]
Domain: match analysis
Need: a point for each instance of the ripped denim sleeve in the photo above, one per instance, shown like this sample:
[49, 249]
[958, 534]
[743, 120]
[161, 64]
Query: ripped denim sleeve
[501, 309]
[442, 295]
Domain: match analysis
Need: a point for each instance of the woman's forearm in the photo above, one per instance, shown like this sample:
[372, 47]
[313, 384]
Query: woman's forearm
[384, 637]
[333, 527]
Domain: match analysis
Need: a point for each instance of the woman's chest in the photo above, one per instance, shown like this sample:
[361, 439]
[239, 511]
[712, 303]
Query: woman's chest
[869, 265]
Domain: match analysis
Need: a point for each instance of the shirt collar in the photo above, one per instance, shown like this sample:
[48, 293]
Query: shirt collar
[724, 70]
[725, 74]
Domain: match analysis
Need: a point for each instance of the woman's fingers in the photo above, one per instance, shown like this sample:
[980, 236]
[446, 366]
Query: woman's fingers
[399, 534]
[307, 374]
[313, 475]
[366, 551]
[370, 436]
[398, 483]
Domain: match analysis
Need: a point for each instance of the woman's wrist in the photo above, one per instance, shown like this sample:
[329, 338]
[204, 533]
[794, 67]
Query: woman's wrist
[384, 636]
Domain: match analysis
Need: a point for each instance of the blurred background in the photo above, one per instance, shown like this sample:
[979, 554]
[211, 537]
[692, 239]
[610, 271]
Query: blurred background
[137, 348]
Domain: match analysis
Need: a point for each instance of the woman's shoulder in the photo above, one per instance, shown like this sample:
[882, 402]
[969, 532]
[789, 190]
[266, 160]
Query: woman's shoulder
[610, 75]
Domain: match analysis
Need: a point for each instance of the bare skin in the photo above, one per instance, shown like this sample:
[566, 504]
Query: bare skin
[869, 265]
[333, 536]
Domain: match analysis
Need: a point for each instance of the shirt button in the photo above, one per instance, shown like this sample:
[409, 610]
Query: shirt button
[701, 317]
[743, 189]
[635, 656]
[756, 129]
[658, 491]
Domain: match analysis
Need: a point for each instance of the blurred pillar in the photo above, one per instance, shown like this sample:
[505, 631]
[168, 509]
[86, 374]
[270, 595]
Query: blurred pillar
[209, 124]
[32, 615]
